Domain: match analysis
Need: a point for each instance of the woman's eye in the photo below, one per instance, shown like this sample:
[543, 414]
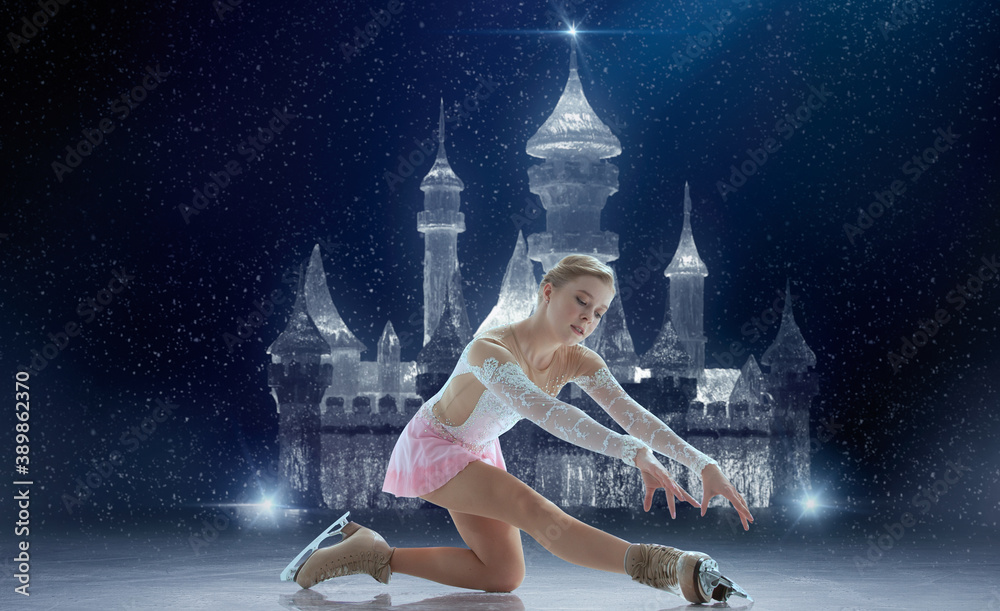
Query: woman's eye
[580, 301]
[599, 315]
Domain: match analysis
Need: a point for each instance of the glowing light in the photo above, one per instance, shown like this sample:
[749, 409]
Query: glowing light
[572, 30]
[266, 505]
[810, 504]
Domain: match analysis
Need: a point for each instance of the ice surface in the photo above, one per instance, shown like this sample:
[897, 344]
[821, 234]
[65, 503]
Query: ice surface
[239, 570]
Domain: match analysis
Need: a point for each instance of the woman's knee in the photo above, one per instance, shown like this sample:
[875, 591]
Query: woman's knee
[506, 580]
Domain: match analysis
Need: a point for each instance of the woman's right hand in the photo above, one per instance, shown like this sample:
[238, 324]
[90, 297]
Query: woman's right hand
[655, 476]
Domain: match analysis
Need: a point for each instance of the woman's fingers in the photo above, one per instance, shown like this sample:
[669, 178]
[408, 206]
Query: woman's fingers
[689, 498]
[740, 504]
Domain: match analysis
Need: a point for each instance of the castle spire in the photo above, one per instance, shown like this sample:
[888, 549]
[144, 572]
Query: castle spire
[441, 130]
[441, 175]
[301, 336]
[687, 294]
[686, 259]
[573, 128]
[789, 352]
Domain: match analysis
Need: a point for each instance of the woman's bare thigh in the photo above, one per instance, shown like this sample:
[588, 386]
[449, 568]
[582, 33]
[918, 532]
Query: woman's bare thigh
[484, 490]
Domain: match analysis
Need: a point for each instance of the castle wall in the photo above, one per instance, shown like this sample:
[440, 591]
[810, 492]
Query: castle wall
[763, 450]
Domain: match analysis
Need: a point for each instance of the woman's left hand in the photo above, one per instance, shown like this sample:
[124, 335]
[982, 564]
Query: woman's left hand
[654, 477]
[714, 483]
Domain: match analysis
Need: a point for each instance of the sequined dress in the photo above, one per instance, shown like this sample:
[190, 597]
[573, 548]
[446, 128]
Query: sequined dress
[430, 450]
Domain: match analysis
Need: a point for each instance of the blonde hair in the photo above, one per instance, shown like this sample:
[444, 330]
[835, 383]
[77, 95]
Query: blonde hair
[571, 267]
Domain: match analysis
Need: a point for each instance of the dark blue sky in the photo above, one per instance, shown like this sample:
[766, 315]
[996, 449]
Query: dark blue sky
[893, 83]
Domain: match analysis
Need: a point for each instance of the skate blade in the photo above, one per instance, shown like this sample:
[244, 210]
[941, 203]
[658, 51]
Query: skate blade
[293, 567]
[725, 587]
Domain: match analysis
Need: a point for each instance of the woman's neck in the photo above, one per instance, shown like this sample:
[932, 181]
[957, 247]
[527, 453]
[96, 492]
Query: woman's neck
[536, 341]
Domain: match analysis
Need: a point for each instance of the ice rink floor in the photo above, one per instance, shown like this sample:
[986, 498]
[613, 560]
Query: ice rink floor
[239, 570]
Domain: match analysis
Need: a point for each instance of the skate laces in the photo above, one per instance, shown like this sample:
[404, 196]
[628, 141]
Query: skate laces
[368, 561]
[655, 565]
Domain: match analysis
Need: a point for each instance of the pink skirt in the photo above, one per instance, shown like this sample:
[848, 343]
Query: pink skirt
[426, 457]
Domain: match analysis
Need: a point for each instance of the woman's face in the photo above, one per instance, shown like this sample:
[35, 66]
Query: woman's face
[576, 309]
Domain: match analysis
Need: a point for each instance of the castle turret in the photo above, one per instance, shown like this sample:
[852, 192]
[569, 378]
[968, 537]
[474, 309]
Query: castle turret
[345, 348]
[789, 352]
[437, 359]
[613, 341]
[518, 290]
[666, 358]
[687, 274]
[573, 183]
[389, 369]
[440, 222]
[793, 388]
[298, 377]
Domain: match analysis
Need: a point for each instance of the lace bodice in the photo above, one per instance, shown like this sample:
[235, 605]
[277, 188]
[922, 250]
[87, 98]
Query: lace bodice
[510, 395]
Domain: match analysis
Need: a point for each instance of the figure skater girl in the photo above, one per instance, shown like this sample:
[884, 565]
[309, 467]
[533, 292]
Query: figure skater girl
[449, 454]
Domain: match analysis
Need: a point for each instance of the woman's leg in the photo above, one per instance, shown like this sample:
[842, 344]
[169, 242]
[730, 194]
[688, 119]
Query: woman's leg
[489, 492]
[494, 562]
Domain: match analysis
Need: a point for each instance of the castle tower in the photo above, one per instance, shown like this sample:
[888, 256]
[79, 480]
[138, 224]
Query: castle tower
[440, 222]
[437, 359]
[345, 348]
[793, 388]
[687, 274]
[789, 352]
[573, 183]
[297, 377]
[666, 358]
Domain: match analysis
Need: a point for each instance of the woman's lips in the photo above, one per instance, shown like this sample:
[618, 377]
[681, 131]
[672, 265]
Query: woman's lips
[577, 330]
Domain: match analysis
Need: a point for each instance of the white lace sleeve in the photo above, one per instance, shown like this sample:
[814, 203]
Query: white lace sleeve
[596, 380]
[496, 368]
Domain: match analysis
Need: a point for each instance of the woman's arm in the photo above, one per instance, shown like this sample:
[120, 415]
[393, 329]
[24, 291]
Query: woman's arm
[596, 379]
[496, 368]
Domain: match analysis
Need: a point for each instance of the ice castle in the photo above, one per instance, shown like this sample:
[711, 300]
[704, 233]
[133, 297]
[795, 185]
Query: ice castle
[340, 415]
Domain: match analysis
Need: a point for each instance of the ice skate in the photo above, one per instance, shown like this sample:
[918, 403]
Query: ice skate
[289, 573]
[361, 550]
[693, 575]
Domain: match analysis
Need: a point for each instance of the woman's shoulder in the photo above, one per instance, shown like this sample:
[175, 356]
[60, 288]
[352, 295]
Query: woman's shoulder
[583, 361]
[495, 335]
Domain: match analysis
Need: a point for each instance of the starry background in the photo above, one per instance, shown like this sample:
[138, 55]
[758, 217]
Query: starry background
[894, 79]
